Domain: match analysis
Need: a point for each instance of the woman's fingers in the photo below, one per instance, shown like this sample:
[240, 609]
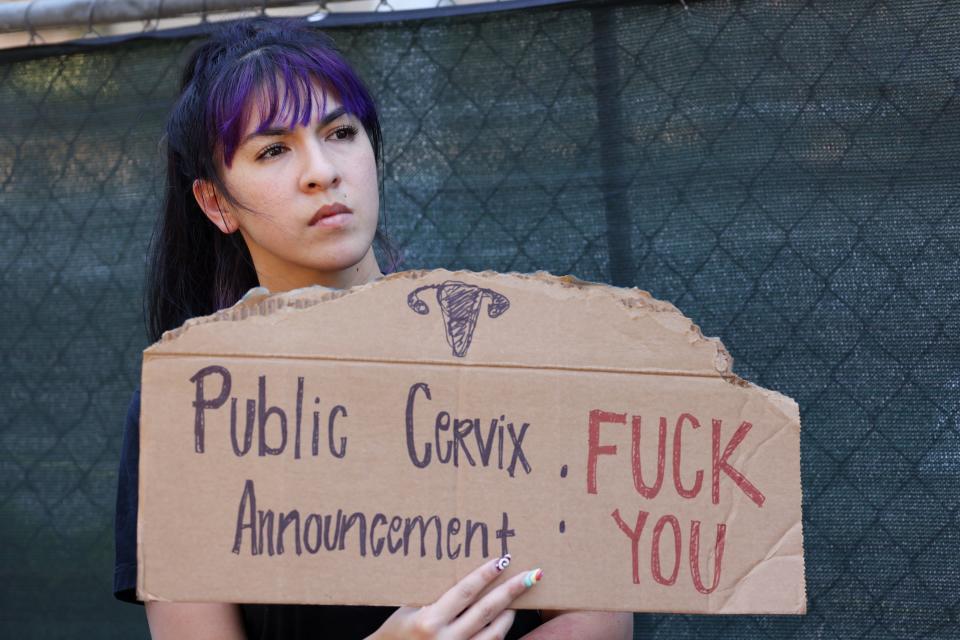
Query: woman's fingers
[491, 606]
[499, 628]
[458, 614]
[463, 594]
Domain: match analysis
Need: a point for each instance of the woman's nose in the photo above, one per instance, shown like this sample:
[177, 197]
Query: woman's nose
[318, 172]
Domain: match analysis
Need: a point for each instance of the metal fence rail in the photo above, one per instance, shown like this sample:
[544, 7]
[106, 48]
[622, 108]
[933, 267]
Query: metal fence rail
[37, 22]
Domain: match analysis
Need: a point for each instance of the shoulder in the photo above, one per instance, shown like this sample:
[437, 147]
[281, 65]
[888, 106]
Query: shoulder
[131, 432]
[133, 410]
[125, 518]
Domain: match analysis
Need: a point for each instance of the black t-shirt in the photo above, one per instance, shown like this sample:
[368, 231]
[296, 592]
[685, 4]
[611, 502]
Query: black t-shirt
[262, 621]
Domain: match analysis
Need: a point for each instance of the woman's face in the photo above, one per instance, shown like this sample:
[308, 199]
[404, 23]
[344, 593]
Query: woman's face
[308, 200]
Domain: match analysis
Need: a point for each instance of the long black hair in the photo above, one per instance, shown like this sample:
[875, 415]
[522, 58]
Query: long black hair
[193, 268]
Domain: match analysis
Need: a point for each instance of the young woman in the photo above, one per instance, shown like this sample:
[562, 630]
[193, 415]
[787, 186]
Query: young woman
[273, 151]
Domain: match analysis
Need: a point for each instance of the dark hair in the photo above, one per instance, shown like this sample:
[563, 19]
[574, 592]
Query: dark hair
[193, 268]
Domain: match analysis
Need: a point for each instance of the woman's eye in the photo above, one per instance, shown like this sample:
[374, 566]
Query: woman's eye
[346, 132]
[271, 151]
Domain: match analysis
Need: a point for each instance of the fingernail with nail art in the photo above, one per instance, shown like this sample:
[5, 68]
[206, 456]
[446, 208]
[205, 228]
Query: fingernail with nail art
[503, 563]
[532, 578]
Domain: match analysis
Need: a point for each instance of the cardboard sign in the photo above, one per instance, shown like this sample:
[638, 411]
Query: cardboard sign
[374, 445]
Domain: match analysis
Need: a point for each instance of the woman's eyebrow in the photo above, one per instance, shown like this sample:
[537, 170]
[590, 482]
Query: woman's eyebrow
[274, 132]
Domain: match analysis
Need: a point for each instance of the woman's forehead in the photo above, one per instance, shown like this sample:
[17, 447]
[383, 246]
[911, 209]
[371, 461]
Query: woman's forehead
[271, 107]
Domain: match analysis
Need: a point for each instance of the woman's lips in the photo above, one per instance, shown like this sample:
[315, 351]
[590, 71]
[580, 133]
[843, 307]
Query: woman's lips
[331, 215]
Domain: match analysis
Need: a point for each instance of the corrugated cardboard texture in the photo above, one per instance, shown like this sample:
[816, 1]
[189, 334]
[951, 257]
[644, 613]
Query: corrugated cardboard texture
[373, 445]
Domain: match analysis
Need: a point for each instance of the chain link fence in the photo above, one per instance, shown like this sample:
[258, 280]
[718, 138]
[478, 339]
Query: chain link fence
[784, 171]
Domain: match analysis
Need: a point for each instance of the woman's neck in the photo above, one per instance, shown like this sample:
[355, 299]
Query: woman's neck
[367, 270]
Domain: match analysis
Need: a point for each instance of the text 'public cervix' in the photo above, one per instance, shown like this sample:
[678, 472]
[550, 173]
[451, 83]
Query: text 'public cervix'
[495, 443]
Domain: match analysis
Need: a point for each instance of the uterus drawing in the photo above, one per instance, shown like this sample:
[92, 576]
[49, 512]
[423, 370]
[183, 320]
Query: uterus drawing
[460, 305]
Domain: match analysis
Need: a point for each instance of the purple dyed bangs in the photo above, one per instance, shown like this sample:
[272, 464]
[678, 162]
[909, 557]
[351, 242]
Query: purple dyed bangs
[277, 84]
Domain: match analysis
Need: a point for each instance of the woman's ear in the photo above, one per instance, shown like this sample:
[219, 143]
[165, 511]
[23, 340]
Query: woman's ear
[209, 201]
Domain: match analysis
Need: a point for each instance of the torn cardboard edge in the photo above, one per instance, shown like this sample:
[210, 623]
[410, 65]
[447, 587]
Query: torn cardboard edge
[261, 304]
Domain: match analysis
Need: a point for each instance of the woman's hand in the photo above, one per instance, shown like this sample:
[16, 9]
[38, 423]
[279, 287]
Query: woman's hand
[201, 620]
[459, 614]
[583, 625]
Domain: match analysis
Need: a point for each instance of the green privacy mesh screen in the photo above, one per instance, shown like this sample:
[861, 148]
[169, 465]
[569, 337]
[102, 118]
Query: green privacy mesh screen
[786, 173]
